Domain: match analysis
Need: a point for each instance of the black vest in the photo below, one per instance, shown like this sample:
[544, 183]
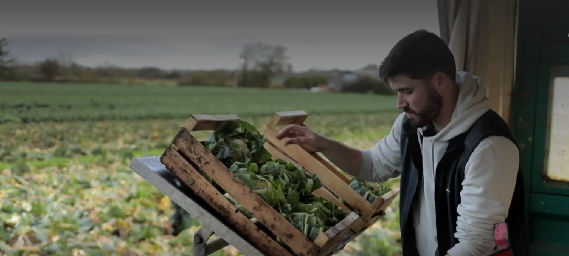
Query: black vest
[448, 185]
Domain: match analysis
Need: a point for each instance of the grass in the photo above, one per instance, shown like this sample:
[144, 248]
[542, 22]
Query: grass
[66, 187]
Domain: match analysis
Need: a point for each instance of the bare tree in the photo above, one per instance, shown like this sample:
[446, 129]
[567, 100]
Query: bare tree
[66, 62]
[260, 62]
[50, 69]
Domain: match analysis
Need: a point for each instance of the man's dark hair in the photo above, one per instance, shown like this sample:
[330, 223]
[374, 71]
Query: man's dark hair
[418, 55]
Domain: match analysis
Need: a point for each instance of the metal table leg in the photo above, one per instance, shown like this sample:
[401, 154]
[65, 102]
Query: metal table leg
[202, 247]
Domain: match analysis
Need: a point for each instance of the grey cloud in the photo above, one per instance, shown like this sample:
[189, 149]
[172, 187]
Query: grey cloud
[34, 46]
[211, 33]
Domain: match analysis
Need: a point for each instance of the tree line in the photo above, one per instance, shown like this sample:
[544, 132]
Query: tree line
[262, 65]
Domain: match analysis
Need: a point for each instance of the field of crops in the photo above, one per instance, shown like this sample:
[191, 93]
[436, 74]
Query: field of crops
[30, 102]
[67, 188]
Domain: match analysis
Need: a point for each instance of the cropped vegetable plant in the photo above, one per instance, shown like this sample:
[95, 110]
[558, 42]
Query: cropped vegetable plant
[286, 188]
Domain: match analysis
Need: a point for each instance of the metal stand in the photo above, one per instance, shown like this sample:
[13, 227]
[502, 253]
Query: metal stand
[152, 170]
[202, 247]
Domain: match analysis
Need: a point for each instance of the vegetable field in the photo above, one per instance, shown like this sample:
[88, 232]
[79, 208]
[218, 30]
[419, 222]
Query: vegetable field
[66, 186]
[32, 102]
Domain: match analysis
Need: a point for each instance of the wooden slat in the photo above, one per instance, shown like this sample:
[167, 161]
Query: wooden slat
[298, 117]
[277, 154]
[201, 187]
[386, 200]
[199, 122]
[288, 117]
[326, 194]
[377, 203]
[331, 167]
[268, 216]
[334, 235]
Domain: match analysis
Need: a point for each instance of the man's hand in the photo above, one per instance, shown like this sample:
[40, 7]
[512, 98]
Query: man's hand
[346, 158]
[303, 136]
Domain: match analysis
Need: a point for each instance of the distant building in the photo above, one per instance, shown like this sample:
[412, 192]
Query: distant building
[341, 79]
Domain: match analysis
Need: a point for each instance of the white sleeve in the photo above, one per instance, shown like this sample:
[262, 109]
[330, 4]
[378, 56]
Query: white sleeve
[488, 187]
[384, 160]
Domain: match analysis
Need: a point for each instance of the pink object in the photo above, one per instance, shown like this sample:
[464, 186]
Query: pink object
[502, 241]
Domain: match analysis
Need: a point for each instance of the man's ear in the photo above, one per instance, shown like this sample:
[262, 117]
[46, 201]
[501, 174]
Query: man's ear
[440, 81]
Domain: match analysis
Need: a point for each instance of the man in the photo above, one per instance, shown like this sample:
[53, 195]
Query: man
[458, 162]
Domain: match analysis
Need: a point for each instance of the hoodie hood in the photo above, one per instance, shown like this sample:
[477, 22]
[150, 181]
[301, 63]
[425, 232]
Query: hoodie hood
[471, 104]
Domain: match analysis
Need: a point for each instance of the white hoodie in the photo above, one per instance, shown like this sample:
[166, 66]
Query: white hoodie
[490, 175]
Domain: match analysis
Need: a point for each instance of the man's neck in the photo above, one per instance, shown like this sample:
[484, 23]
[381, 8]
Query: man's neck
[447, 110]
[442, 121]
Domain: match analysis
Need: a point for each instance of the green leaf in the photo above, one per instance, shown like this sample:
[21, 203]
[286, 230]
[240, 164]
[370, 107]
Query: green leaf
[282, 185]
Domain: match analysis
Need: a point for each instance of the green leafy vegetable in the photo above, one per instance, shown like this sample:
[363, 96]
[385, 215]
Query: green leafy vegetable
[366, 190]
[237, 141]
[286, 188]
[369, 192]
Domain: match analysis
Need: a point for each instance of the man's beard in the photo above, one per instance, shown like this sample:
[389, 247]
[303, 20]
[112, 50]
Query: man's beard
[428, 115]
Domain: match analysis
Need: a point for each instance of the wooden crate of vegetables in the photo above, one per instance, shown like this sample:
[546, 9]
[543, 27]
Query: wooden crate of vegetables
[270, 202]
[368, 200]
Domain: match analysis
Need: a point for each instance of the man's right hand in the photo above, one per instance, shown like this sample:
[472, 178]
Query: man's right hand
[346, 158]
[303, 136]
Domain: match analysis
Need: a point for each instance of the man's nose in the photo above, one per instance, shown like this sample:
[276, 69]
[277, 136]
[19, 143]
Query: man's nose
[401, 103]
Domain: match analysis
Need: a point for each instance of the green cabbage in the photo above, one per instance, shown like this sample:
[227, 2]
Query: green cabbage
[366, 190]
[286, 188]
[369, 192]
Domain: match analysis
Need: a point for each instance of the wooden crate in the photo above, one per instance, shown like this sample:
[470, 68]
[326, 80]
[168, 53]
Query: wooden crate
[186, 155]
[331, 176]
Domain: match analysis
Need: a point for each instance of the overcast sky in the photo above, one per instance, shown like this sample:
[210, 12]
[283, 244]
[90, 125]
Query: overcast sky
[210, 34]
